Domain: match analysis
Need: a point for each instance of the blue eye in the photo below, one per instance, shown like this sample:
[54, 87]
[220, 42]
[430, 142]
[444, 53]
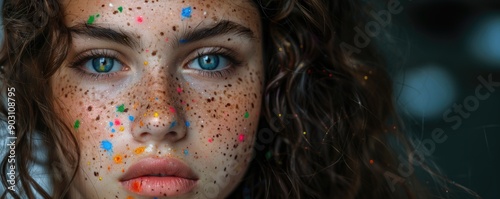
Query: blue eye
[103, 65]
[209, 62]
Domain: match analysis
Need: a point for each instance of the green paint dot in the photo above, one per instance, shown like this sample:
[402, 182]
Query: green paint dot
[120, 9]
[77, 124]
[97, 16]
[91, 19]
[247, 114]
[268, 155]
[120, 108]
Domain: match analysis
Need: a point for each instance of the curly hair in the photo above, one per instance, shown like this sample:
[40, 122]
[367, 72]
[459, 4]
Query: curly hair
[330, 114]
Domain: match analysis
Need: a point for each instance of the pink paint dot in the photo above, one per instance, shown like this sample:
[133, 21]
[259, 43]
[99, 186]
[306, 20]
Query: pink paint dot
[166, 39]
[117, 122]
[140, 19]
[179, 89]
[210, 140]
[172, 109]
[242, 137]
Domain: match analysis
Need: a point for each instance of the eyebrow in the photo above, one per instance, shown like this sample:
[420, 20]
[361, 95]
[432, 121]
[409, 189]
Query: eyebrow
[222, 28]
[120, 37]
[126, 38]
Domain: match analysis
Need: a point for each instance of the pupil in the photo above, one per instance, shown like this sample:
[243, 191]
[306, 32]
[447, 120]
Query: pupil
[103, 64]
[209, 62]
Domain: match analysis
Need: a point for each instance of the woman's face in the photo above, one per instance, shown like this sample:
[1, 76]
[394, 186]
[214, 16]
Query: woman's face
[163, 96]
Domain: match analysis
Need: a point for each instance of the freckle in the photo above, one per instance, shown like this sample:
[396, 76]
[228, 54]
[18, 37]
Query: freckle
[161, 33]
[89, 108]
[154, 53]
[174, 28]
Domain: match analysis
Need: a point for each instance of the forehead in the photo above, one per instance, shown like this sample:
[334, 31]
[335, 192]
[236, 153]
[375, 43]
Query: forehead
[160, 13]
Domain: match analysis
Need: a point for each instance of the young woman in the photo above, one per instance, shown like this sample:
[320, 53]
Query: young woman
[199, 99]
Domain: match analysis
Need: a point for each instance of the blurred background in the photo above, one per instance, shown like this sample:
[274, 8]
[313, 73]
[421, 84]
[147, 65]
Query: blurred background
[438, 51]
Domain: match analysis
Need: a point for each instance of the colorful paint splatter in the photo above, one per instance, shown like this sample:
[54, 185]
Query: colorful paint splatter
[106, 145]
[186, 12]
[77, 124]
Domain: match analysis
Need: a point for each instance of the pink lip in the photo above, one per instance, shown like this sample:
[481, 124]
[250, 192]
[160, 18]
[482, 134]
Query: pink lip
[159, 177]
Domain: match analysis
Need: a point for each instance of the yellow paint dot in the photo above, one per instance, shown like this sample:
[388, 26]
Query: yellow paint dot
[279, 115]
[88, 163]
[156, 114]
[100, 178]
[366, 77]
[146, 63]
[305, 132]
[122, 128]
[139, 150]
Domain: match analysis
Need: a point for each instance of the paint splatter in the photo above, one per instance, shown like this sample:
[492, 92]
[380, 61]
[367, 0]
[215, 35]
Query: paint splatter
[156, 114]
[186, 152]
[268, 155]
[305, 132]
[146, 63]
[110, 124]
[183, 41]
[172, 109]
[77, 124]
[120, 108]
[113, 130]
[139, 150]
[187, 124]
[121, 129]
[210, 140]
[131, 118]
[100, 178]
[117, 122]
[91, 19]
[241, 137]
[371, 161]
[140, 19]
[179, 89]
[136, 186]
[186, 12]
[173, 124]
[120, 9]
[106, 145]
[247, 114]
[118, 159]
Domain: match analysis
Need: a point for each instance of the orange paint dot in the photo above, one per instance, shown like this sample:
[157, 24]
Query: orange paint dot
[118, 159]
[141, 124]
[130, 197]
[122, 129]
[139, 150]
[136, 186]
[371, 161]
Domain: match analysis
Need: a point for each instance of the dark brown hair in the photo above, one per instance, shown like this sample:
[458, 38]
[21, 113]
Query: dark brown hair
[331, 115]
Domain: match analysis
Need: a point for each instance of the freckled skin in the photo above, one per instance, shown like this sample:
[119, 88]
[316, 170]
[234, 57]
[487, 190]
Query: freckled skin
[162, 96]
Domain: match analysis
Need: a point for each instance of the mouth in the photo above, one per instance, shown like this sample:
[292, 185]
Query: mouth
[159, 177]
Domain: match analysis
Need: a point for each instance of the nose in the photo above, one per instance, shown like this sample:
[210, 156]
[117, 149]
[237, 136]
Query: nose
[156, 128]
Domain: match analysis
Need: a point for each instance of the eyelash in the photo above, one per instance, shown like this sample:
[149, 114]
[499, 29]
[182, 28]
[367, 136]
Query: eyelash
[229, 55]
[81, 59]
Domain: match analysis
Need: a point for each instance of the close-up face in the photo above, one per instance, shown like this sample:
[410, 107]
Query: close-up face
[163, 97]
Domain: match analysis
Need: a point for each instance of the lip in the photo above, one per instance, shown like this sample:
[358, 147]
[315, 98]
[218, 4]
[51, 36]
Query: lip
[159, 177]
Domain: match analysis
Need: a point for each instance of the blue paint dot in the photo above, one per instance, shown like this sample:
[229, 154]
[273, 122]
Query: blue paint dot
[188, 124]
[186, 152]
[113, 130]
[106, 145]
[131, 118]
[173, 124]
[186, 12]
[110, 124]
[183, 41]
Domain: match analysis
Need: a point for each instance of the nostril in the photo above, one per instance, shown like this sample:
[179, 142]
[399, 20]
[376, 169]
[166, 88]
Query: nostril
[145, 135]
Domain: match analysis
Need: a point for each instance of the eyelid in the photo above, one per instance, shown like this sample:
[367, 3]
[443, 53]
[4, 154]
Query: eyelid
[230, 55]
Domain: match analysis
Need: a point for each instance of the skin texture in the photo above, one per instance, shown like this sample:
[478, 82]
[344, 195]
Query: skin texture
[206, 121]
